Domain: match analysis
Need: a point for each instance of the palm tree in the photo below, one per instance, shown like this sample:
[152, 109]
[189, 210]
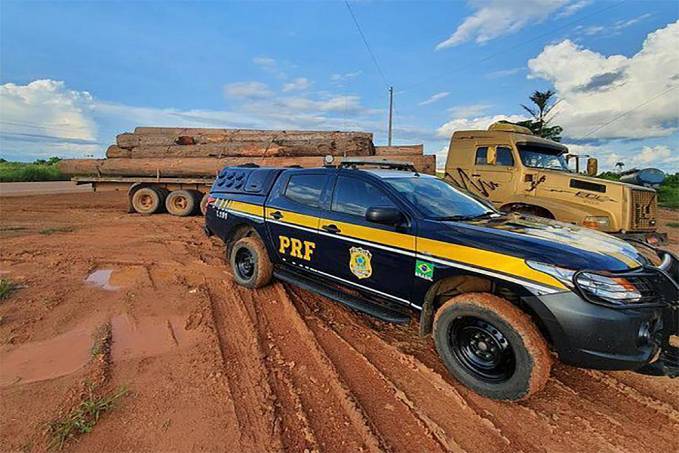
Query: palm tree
[540, 124]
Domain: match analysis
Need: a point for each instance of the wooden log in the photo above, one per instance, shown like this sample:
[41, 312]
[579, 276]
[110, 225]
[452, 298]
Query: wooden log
[400, 150]
[208, 131]
[278, 148]
[196, 167]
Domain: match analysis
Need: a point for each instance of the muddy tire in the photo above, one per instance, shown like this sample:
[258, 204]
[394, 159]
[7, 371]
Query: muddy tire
[250, 263]
[203, 203]
[491, 346]
[147, 200]
[181, 203]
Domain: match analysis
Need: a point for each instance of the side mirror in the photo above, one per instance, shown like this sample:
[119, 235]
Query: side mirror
[383, 215]
[592, 166]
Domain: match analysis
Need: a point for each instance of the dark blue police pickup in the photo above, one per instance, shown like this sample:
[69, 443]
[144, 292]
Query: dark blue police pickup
[500, 292]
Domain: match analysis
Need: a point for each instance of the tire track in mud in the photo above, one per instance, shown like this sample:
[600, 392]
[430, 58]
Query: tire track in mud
[243, 366]
[550, 420]
[337, 420]
[388, 408]
[439, 406]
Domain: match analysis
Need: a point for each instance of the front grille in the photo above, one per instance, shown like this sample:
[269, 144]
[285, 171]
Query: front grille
[644, 210]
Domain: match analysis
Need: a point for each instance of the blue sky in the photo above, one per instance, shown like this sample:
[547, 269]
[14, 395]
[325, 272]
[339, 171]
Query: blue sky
[74, 74]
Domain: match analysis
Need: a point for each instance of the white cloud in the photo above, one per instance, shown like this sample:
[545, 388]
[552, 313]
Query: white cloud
[611, 29]
[298, 84]
[480, 123]
[250, 89]
[435, 97]
[595, 89]
[471, 110]
[504, 72]
[573, 8]
[495, 18]
[45, 118]
[347, 76]
[632, 155]
[265, 62]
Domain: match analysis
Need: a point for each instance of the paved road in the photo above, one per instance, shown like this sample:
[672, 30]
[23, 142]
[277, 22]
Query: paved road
[10, 189]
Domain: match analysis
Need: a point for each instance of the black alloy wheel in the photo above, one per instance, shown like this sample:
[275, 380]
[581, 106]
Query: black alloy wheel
[482, 349]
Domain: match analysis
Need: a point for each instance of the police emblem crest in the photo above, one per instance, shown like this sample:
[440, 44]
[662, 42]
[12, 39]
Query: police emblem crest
[359, 262]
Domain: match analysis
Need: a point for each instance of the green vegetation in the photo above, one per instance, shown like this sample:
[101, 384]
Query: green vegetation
[540, 125]
[53, 230]
[6, 288]
[82, 419]
[40, 170]
[673, 224]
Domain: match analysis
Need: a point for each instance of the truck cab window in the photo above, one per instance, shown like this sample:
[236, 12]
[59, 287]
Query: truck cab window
[503, 157]
[481, 156]
[306, 189]
[355, 196]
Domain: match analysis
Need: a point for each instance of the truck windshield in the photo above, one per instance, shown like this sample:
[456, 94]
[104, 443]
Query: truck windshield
[543, 157]
[439, 200]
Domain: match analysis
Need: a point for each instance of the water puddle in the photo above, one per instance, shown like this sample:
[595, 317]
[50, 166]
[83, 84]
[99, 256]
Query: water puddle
[149, 336]
[101, 278]
[48, 359]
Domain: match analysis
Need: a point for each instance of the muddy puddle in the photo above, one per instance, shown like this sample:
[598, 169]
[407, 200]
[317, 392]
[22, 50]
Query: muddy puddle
[69, 352]
[115, 278]
[149, 336]
[48, 359]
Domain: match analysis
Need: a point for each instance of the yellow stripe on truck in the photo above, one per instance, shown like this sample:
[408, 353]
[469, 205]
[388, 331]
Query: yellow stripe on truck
[493, 261]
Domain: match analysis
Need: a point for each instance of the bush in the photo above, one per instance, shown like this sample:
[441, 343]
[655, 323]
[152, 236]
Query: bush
[41, 170]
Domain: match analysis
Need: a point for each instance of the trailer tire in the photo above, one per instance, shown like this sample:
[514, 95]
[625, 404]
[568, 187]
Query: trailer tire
[180, 203]
[147, 200]
[492, 347]
[250, 263]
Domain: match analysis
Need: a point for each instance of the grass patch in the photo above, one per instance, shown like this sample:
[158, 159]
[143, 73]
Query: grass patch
[6, 288]
[40, 170]
[12, 228]
[53, 230]
[83, 418]
[102, 340]
[673, 224]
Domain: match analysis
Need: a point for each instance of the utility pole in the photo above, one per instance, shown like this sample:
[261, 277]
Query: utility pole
[391, 112]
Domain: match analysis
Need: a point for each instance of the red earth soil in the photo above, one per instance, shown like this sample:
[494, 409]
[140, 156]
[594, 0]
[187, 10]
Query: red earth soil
[214, 367]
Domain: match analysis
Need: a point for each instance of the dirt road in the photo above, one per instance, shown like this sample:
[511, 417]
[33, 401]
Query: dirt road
[213, 367]
[15, 189]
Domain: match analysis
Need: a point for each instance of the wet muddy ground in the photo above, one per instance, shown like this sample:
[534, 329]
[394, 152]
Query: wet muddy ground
[214, 367]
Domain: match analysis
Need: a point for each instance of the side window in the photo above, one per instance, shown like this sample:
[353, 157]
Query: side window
[503, 156]
[306, 189]
[354, 196]
[481, 154]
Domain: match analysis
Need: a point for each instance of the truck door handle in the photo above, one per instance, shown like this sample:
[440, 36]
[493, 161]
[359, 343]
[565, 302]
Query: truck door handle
[332, 228]
[276, 215]
[476, 175]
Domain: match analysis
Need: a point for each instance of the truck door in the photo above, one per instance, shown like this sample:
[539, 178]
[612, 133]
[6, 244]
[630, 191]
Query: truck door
[357, 253]
[292, 216]
[494, 172]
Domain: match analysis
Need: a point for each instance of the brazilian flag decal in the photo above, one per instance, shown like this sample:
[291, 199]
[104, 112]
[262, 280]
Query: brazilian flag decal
[424, 269]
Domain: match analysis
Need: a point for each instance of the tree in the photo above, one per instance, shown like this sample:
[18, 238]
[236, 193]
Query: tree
[540, 124]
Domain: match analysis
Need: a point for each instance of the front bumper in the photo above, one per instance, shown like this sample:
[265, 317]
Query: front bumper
[591, 335]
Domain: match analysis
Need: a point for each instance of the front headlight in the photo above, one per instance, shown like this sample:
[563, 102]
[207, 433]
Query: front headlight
[597, 222]
[613, 290]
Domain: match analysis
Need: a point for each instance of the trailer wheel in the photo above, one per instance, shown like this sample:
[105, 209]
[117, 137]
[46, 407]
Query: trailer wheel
[147, 200]
[491, 346]
[203, 203]
[180, 203]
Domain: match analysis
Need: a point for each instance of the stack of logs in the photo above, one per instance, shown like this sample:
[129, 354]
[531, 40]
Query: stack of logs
[199, 152]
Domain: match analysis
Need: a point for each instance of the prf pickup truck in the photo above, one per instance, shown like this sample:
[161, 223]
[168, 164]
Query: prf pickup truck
[501, 293]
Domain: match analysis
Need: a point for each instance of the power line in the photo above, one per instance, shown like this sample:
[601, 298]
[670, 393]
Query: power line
[510, 48]
[365, 41]
[597, 129]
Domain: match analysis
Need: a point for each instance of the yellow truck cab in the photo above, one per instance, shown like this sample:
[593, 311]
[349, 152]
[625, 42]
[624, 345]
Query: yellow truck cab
[518, 171]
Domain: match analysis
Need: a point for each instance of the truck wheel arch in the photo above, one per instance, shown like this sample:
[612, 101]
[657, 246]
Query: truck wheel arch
[239, 232]
[528, 209]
